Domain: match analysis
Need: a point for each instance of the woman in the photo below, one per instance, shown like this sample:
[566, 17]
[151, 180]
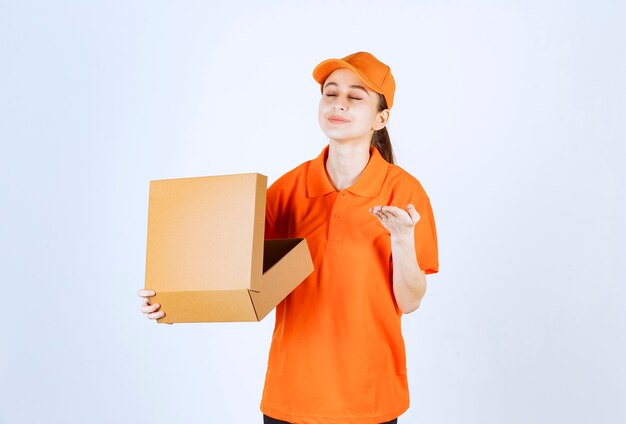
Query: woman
[337, 353]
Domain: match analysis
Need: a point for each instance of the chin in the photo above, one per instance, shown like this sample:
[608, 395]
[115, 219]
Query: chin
[337, 136]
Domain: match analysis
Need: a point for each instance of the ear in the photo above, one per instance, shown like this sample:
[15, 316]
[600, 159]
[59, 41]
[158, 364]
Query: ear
[381, 120]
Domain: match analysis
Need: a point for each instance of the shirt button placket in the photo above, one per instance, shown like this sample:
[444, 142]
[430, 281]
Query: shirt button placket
[335, 236]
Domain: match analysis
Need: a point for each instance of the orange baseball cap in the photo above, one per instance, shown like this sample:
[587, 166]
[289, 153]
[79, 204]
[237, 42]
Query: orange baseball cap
[375, 74]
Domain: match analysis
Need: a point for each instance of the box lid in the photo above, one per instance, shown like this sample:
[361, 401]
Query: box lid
[206, 233]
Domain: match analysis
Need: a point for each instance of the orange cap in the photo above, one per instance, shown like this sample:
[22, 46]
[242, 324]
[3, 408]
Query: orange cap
[375, 74]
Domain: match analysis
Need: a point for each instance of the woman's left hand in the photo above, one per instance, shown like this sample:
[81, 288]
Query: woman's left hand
[396, 220]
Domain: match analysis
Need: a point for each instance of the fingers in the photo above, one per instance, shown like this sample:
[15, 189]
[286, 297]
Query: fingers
[146, 293]
[147, 309]
[387, 212]
[415, 216]
[151, 311]
[156, 315]
[378, 213]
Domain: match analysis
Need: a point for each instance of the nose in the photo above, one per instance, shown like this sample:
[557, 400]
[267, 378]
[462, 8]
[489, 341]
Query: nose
[338, 106]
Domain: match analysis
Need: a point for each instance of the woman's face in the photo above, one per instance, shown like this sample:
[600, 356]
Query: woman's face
[348, 110]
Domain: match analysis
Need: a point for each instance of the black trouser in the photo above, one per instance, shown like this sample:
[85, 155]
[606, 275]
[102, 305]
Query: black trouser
[268, 420]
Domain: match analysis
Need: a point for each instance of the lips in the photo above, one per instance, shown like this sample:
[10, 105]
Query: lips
[336, 119]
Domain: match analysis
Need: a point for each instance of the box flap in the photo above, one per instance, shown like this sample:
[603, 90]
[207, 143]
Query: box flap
[286, 263]
[206, 233]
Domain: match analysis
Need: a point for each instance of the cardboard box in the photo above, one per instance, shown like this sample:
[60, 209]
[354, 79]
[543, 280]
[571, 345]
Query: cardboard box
[206, 258]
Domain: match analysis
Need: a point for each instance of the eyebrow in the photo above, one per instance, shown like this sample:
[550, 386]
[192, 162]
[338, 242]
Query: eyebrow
[352, 86]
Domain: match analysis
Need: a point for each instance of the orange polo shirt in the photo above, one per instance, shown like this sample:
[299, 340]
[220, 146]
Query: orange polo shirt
[337, 353]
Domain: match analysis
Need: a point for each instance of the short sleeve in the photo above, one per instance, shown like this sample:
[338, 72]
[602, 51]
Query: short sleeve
[426, 247]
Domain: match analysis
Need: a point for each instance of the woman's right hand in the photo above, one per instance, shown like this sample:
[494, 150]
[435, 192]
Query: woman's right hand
[152, 311]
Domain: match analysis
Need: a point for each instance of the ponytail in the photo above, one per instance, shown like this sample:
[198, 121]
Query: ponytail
[380, 138]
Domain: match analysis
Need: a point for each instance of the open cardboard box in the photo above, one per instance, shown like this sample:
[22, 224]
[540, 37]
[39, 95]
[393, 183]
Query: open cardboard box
[206, 258]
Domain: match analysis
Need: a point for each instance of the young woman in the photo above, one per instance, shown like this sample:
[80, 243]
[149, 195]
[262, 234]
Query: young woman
[337, 353]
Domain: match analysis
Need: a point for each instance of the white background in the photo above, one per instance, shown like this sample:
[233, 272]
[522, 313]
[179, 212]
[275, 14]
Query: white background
[511, 114]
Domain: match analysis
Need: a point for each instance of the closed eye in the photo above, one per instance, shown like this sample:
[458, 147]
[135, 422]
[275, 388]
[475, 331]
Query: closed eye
[350, 97]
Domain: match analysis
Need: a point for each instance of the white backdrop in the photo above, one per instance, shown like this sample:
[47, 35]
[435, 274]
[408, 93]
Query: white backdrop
[511, 114]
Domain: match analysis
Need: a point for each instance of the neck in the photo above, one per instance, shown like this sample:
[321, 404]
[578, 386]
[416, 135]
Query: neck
[346, 162]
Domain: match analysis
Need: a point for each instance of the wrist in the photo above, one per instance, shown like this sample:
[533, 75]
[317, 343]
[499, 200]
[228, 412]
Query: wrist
[402, 239]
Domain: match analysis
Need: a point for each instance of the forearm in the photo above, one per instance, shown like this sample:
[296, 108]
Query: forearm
[409, 282]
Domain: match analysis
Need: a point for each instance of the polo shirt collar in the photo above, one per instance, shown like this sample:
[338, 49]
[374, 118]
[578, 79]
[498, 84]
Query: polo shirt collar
[369, 184]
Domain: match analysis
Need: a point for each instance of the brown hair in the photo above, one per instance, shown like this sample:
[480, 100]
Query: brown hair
[380, 138]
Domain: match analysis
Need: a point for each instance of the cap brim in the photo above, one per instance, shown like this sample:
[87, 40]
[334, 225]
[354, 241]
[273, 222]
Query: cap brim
[325, 68]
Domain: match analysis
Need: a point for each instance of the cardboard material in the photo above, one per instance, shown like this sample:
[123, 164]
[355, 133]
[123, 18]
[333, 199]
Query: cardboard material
[206, 258]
